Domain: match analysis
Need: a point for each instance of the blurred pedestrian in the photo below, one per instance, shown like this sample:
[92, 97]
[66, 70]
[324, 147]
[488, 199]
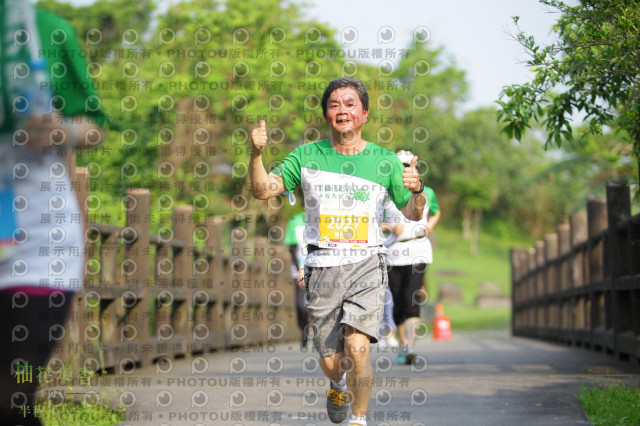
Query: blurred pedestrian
[294, 238]
[388, 327]
[41, 230]
[408, 259]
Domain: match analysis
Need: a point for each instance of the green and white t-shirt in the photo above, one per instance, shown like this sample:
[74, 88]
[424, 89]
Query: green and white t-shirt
[344, 198]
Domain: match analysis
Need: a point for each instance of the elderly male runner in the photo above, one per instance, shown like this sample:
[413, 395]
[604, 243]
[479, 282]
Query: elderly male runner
[346, 181]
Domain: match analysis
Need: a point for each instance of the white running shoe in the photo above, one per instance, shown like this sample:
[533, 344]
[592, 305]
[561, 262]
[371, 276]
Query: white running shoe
[388, 341]
[392, 341]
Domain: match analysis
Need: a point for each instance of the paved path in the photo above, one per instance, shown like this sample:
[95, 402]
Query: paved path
[480, 378]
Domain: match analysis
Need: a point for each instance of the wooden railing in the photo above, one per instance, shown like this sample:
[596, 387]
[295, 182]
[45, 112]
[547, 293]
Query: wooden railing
[153, 298]
[581, 285]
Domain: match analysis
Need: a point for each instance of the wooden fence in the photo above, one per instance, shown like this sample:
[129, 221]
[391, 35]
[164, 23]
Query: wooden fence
[153, 298]
[581, 285]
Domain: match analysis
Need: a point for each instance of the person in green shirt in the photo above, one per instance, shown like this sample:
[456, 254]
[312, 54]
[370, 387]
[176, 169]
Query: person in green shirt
[294, 239]
[37, 283]
[346, 181]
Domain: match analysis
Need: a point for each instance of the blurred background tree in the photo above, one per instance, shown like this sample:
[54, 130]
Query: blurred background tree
[184, 87]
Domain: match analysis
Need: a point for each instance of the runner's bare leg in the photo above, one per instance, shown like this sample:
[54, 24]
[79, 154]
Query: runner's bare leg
[331, 366]
[402, 334]
[360, 372]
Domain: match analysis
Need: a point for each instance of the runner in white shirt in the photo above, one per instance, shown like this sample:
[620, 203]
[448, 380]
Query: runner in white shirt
[408, 259]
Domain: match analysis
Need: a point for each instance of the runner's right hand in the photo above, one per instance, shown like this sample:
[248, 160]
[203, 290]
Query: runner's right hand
[45, 133]
[259, 137]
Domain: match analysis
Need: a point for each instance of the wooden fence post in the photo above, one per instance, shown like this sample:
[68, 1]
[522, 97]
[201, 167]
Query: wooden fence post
[261, 289]
[136, 268]
[529, 261]
[181, 320]
[551, 279]
[237, 295]
[596, 222]
[163, 293]
[634, 270]
[541, 286]
[578, 237]
[619, 308]
[564, 281]
[214, 284]
[70, 346]
[516, 289]
[519, 290]
[564, 247]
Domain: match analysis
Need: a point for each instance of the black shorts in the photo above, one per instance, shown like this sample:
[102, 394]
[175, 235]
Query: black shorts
[405, 282]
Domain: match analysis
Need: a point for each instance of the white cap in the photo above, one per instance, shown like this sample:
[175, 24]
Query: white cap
[405, 156]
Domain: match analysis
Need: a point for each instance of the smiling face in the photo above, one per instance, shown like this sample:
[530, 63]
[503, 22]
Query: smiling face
[345, 112]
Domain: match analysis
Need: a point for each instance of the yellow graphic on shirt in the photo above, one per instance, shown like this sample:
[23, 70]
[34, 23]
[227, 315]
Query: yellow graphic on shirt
[343, 229]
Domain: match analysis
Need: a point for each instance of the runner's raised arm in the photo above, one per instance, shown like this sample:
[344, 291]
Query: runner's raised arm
[263, 185]
[411, 180]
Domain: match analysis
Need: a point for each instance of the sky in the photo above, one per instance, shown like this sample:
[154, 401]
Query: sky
[475, 34]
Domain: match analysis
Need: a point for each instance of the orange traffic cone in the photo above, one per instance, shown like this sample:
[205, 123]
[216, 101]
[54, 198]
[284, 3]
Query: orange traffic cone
[442, 325]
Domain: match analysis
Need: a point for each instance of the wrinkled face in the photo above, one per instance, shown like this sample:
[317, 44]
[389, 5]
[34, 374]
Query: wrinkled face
[344, 111]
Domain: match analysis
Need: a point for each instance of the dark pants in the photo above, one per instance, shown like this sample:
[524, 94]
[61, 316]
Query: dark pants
[34, 317]
[405, 282]
[301, 308]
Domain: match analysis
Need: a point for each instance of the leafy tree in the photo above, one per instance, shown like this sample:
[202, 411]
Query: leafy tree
[106, 23]
[430, 90]
[200, 49]
[480, 169]
[592, 67]
[585, 164]
[245, 60]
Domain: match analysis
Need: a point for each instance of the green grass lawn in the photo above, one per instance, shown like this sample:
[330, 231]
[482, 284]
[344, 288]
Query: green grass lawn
[611, 405]
[72, 414]
[453, 263]
[93, 407]
[465, 317]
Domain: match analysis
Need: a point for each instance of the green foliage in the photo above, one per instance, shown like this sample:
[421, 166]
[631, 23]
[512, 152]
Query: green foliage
[105, 23]
[592, 68]
[245, 60]
[88, 411]
[428, 91]
[617, 404]
[585, 165]
[183, 91]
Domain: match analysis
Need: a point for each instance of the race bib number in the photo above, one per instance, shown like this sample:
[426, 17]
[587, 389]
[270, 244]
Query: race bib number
[339, 230]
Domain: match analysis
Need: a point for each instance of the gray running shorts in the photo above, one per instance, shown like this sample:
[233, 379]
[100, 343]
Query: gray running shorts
[350, 294]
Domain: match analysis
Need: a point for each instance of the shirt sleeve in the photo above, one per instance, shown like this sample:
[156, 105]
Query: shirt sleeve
[397, 192]
[431, 200]
[290, 170]
[290, 233]
[68, 68]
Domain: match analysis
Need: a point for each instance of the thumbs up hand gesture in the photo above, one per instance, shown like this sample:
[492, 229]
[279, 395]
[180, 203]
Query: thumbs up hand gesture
[259, 137]
[410, 177]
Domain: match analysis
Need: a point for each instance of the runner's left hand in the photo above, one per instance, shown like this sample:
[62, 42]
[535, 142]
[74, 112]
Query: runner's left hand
[410, 176]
